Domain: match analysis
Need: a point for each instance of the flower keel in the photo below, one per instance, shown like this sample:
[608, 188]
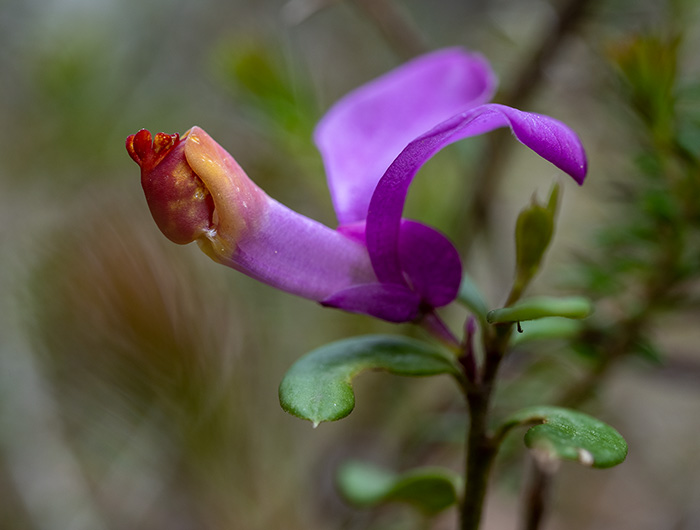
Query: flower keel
[179, 202]
[196, 191]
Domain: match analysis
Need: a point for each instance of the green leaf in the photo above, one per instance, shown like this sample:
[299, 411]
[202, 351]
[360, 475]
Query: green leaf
[546, 329]
[428, 489]
[648, 66]
[570, 435]
[553, 203]
[542, 307]
[533, 233]
[318, 387]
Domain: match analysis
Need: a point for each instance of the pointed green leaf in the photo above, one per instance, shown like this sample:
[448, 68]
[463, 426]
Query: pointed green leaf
[533, 233]
[318, 387]
[428, 489]
[553, 203]
[567, 434]
[542, 307]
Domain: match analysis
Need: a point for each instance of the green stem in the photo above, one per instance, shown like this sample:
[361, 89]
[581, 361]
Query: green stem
[481, 445]
[480, 456]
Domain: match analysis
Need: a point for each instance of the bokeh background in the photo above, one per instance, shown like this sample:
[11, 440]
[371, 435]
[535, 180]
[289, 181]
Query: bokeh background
[138, 380]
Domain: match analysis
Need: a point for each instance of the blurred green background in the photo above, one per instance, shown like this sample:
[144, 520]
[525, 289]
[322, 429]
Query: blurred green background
[138, 380]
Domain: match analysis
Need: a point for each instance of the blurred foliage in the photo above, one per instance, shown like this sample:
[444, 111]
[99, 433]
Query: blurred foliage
[647, 262]
[257, 79]
[138, 388]
[429, 490]
[648, 70]
[644, 271]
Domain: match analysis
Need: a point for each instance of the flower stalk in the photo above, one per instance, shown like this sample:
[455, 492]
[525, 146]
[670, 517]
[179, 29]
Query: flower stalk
[481, 445]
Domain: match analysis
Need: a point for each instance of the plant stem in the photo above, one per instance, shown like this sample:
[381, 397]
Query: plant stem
[481, 446]
[537, 494]
[479, 458]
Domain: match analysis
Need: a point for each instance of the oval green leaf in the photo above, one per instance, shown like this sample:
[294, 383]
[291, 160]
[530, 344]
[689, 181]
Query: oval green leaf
[570, 435]
[318, 387]
[430, 490]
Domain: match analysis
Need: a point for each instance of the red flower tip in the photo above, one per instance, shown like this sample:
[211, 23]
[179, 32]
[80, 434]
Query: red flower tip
[146, 151]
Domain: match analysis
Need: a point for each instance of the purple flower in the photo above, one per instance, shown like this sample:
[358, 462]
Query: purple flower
[372, 142]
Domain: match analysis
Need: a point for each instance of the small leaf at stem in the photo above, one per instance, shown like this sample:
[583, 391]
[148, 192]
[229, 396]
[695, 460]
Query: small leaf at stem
[567, 434]
[428, 489]
[541, 307]
[533, 234]
[318, 387]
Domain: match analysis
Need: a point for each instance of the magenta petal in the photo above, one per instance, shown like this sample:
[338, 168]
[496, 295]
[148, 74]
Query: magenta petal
[394, 303]
[548, 137]
[361, 134]
[431, 263]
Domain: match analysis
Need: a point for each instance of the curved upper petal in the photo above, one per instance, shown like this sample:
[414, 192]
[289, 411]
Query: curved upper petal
[548, 137]
[363, 133]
